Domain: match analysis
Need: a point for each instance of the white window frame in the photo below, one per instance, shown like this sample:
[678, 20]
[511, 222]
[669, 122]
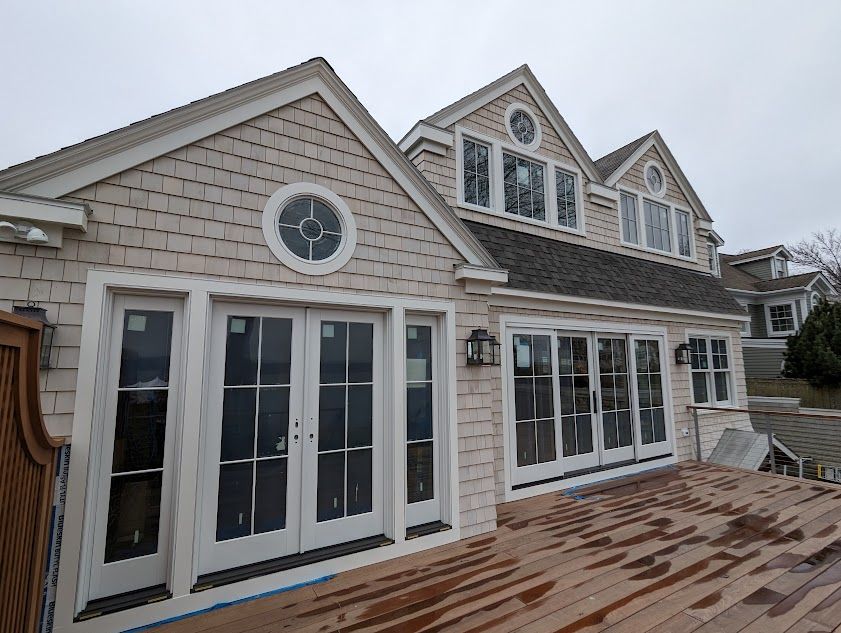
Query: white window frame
[657, 194]
[775, 273]
[497, 188]
[712, 258]
[643, 240]
[814, 299]
[768, 324]
[731, 381]
[624, 237]
[271, 212]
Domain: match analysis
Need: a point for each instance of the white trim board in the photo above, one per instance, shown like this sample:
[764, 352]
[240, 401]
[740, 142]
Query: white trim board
[78, 166]
[512, 297]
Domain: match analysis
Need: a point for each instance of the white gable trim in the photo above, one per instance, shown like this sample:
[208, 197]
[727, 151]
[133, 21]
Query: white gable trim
[761, 257]
[78, 166]
[655, 140]
[521, 76]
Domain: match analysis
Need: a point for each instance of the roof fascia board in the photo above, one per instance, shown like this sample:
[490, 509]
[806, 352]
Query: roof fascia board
[520, 76]
[38, 209]
[796, 290]
[79, 166]
[521, 297]
[683, 182]
[747, 260]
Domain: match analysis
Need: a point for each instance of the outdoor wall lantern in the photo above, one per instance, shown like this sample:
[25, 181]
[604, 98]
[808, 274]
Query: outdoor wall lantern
[31, 311]
[482, 348]
[682, 354]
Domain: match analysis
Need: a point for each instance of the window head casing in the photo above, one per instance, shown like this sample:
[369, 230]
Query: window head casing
[655, 179]
[522, 126]
[309, 228]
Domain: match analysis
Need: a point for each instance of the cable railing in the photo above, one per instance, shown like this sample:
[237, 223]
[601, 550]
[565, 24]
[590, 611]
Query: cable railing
[810, 441]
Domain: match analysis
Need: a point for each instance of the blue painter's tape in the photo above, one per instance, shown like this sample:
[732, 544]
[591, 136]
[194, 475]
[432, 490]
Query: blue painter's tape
[570, 492]
[222, 605]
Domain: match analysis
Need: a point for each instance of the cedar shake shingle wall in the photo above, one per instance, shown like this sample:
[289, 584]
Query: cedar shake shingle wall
[712, 424]
[601, 223]
[197, 212]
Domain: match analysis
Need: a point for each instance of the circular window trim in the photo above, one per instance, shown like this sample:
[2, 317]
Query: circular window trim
[662, 192]
[538, 133]
[271, 215]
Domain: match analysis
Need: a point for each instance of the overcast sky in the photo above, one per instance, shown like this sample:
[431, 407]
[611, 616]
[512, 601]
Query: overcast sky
[746, 94]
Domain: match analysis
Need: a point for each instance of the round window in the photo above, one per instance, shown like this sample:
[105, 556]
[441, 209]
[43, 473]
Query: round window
[654, 179]
[309, 228]
[522, 127]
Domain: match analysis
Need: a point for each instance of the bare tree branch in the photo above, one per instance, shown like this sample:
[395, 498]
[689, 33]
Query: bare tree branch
[823, 252]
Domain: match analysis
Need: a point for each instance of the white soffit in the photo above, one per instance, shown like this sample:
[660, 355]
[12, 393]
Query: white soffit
[78, 166]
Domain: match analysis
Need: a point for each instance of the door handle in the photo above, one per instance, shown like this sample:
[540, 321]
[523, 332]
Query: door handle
[595, 402]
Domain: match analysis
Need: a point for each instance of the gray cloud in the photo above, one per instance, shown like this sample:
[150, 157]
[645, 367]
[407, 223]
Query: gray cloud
[746, 94]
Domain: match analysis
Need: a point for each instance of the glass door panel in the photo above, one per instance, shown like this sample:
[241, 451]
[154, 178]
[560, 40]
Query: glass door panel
[422, 441]
[252, 484]
[131, 533]
[342, 494]
[614, 400]
[578, 433]
[535, 423]
[654, 423]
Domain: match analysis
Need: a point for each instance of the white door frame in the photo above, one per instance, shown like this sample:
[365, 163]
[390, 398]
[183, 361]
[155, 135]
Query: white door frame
[220, 555]
[591, 459]
[653, 449]
[622, 453]
[108, 579]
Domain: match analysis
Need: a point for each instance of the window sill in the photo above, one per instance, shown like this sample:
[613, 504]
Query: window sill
[654, 251]
[520, 218]
[703, 412]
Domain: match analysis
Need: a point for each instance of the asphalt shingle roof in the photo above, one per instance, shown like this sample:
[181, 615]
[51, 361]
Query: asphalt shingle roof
[609, 163]
[545, 265]
[737, 279]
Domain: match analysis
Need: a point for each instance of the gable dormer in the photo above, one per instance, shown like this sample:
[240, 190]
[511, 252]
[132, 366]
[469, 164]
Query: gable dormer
[766, 264]
[504, 156]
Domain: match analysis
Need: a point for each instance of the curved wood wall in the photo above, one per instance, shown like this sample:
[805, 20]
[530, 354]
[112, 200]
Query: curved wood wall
[27, 462]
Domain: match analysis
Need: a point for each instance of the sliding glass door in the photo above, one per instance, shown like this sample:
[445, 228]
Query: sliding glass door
[583, 401]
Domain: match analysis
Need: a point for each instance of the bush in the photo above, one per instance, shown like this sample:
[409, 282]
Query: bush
[814, 353]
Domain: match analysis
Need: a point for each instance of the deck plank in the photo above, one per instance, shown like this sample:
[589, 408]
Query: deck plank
[694, 547]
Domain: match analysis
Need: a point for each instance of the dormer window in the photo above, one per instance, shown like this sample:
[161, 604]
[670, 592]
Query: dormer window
[712, 254]
[780, 267]
[476, 173]
[524, 194]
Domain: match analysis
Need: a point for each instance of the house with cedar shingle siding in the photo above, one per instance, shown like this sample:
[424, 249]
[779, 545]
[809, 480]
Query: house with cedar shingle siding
[268, 312]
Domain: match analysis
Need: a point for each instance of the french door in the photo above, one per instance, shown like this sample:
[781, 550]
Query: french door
[132, 523]
[584, 400]
[293, 443]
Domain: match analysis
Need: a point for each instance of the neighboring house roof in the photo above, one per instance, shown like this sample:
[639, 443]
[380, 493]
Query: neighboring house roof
[745, 449]
[77, 166]
[734, 278]
[609, 163]
[545, 265]
[523, 75]
[631, 156]
[762, 253]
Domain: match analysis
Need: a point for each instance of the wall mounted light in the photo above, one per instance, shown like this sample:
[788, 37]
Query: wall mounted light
[31, 234]
[682, 354]
[482, 348]
[31, 311]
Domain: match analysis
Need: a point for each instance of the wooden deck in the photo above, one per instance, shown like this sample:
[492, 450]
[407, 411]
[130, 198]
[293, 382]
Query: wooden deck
[692, 548]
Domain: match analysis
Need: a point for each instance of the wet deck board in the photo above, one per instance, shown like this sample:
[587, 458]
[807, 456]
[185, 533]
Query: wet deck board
[697, 547]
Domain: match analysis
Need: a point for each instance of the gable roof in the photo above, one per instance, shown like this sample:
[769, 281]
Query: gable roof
[640, 147]
[735, 278]
[546, 265]
[77, 166]
[525, 77]
[762, 253]
[609, 163]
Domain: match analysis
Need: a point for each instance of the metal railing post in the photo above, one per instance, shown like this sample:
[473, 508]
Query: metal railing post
[770, 444]
[800, 468]
[697, 435]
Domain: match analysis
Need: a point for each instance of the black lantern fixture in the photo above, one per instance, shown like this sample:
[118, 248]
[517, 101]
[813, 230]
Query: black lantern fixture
[31, 311]
[482, 348]
[682, 356]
